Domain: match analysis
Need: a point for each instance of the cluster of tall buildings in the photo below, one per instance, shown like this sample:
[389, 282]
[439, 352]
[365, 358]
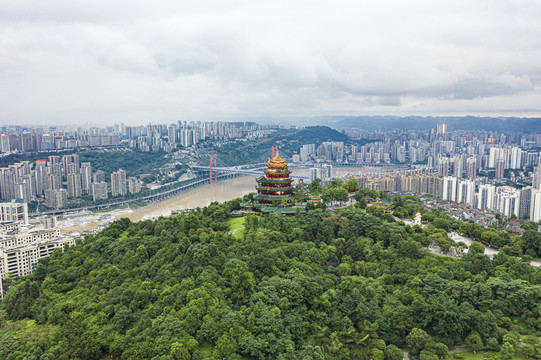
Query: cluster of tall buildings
[469, 156]
[499, 159]
[415, 182]
[55, 140]
[515, 150]
[337, 151]
[59, 178]
[324, 173]
[152, 137]
[523, 203]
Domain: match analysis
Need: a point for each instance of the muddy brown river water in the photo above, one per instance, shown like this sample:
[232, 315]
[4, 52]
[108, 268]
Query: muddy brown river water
[201, 196]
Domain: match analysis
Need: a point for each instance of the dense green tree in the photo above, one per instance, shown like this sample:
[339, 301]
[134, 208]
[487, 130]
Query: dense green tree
[315, 186]
[417, 340]
[321, 285]
[360, 199]
[507, 351]
[241, 280]
[531, 242]
[428, 355]
[441, 350]
[18, 302]
[476, 248]
[392, 352]
[474, 342]
[352, 185]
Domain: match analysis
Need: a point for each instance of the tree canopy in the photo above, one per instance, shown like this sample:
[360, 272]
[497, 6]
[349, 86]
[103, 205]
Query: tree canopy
[322, 285]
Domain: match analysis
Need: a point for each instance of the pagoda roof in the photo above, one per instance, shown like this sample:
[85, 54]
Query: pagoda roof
[271, 197]
[276, 161]
[382, 203]
[263, 179]
[274, 189]
[278, 172]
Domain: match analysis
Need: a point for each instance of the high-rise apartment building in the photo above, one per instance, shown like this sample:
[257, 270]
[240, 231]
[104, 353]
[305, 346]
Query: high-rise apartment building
[525, 202]
[535, 207]
[449, 188]
[68, 160]
[186, 137]
[471, 167]
[74, 184]
[486, 196]
[134, 185]
[4, 143]
[443, 166]
[458, 166]
[172, 134]
[500, 168]
[99, 191]
[516, 158]
[466, 192]
[440, 129]
[507, 201]
[314, 174]
[56, 198]
[7, 183]
[40, 175]
[98, 176]
[86, 177]
[494, 154]
[118, 183]
[326, 172]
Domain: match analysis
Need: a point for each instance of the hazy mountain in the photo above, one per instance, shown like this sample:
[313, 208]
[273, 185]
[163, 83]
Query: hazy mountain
[371, 123]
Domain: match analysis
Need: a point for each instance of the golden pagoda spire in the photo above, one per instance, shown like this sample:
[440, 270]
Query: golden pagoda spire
[276, 161]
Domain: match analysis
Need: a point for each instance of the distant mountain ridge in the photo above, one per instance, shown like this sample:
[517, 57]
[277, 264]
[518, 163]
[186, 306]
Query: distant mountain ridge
[528, 125]
[388, 122]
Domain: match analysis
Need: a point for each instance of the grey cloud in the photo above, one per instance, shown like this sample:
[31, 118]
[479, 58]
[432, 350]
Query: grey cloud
[63, 60]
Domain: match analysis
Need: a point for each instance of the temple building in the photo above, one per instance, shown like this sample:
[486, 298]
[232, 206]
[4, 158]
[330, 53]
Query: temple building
[276, 192]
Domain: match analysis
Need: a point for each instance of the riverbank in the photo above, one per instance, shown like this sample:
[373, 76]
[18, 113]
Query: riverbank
[201, 196]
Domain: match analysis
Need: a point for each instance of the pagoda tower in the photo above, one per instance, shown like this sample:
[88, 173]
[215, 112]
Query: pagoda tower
[276, 184]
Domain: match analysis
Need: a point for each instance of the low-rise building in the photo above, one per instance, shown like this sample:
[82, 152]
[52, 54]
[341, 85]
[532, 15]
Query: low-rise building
[21, 250]
[14, 210]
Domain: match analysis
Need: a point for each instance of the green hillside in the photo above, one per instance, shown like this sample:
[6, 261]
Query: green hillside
[350, 285]
[288, 141]
[135, 162]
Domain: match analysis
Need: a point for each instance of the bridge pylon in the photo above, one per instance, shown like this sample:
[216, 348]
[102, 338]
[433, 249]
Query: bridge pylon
[211, 181]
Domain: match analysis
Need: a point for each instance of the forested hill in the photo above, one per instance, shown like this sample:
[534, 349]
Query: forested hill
[134, 162]
[350, 285]
[289, 142]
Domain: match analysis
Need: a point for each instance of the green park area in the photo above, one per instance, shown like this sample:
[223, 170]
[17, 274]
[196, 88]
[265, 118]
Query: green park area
[236, 226]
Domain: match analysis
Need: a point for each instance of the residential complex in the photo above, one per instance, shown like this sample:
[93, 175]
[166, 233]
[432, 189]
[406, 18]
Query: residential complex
[522, 203]
[21, 246]
[20, 250]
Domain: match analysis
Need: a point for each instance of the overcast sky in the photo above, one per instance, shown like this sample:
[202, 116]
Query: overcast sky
[70, 61]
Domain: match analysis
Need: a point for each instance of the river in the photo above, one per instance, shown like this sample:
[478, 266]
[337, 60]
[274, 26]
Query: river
[200, 196]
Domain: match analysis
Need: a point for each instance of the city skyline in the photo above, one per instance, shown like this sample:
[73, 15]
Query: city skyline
[136, 63]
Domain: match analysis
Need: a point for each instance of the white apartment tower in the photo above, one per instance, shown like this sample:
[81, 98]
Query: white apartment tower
[118, 183]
